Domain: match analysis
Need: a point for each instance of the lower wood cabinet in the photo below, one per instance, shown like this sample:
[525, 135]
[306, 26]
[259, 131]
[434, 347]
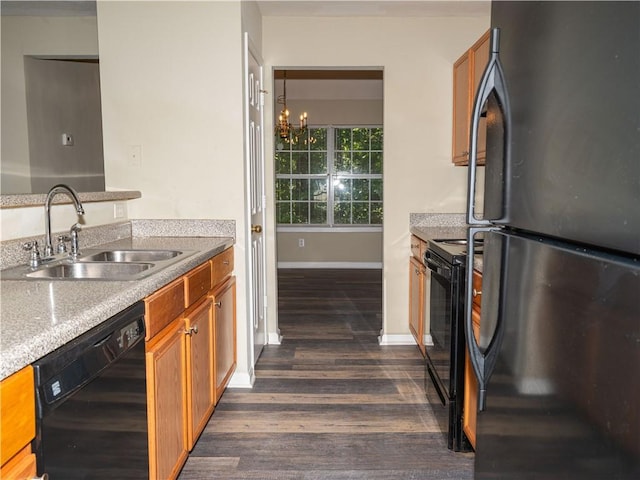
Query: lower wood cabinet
[17, 425]
[199, 369]
[189, 360]
[470, 406]
[224, 298]
[167, 401]
[416, 301]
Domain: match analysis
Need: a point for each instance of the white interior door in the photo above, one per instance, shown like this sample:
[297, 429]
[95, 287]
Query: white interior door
[254, 153]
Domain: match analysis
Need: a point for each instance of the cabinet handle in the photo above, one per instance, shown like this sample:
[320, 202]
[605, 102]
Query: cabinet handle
[218, 304]
[225, 262]
[191, 330]
[415, 245]
[465, 153]
[476, 293]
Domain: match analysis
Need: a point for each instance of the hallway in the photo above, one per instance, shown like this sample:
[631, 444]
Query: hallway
[329, 403]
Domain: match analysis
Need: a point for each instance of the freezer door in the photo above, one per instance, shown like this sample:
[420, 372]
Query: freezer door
[562, 399]
[573, 75]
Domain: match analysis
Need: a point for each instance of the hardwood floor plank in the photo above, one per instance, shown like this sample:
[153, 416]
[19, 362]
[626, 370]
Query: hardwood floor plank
[329, 402]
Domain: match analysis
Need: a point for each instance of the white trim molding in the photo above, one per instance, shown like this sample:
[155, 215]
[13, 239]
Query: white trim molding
[242, 379]
[397, 339]
[274, 338]
[367, 265]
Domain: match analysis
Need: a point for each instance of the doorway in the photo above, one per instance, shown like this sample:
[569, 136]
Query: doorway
[329, 178]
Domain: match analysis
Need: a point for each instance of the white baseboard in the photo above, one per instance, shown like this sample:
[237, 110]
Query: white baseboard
[242, 379]
[274, 338]
[367, 265]
[404, 339]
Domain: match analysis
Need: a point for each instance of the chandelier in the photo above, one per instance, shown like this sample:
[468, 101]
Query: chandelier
[284, 129]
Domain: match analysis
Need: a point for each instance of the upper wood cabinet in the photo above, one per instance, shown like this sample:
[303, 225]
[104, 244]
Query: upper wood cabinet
[467, 72]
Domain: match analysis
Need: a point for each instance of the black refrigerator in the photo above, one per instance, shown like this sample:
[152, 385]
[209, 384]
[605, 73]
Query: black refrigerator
[558, 360]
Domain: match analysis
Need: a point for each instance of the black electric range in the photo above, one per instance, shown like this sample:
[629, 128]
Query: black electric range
[445, 353]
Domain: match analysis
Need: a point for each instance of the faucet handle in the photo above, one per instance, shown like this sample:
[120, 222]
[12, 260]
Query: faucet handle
[75, 245]
[62, 243]
[34, 257]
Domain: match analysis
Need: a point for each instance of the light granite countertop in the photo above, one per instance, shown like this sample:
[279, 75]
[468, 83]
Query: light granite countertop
[38, 316]
[426, 233]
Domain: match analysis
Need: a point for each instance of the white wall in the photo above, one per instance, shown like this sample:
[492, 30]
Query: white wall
[40, 36]
[417, 55]
[171, 80]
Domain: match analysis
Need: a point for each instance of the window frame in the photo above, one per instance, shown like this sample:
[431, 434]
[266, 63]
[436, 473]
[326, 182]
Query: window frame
[330, 176]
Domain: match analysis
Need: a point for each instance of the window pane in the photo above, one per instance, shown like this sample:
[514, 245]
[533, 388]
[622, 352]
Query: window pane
[318, 138]
[376, 162]
[360, 190]
[360, 139]
[318, 162]
[300, 163]
[376, 189]
[319, 190]
[376, 213]
[318, 212]
[300, 189]
[342, 189]
[343, 139]
[282, 162]
[283, 189]
[343, 163]
[300, 212]
[360, 213]
[283, 214]
[376, 139]
[342, 213]
[360, 162]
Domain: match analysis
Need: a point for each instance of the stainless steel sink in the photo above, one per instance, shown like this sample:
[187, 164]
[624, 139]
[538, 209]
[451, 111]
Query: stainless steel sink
[100, 264]
[92, 270]
[131, 256]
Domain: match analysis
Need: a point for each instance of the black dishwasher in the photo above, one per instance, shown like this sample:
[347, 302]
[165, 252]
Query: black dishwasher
[91, 404]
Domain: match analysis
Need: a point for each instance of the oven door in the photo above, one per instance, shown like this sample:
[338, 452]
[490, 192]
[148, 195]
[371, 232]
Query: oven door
[441, 310]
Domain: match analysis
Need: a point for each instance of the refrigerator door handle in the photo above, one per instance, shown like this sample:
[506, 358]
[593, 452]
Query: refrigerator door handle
[482, 362]
[492, 82]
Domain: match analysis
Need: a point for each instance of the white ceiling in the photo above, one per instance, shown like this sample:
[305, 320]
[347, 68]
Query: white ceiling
[322, 8]
[373, 8]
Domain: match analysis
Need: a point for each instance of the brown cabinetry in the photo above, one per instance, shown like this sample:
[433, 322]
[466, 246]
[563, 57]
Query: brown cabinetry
[417, 290]
[183, 350]
[470, 406]
[17, 425]
[224, 301]
[467, 72]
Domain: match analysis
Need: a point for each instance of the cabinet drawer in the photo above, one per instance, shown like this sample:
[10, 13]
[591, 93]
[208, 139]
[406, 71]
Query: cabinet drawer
[477, 288]
[163, 306]
[221, 266]
[196, 283]
[17, 413]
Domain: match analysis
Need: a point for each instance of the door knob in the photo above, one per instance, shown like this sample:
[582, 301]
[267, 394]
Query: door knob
[256, 228]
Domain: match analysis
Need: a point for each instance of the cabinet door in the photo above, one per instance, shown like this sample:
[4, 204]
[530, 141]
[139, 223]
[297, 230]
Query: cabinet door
[461, 109]
[470, 406]
[167, 402]
[480, 58]
[200, 388]
[416, 302]
[224, 298]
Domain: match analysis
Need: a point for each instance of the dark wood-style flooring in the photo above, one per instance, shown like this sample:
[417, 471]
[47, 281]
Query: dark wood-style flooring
[329, 402]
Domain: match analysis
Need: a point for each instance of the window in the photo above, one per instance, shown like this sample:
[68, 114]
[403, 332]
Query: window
[332, 177]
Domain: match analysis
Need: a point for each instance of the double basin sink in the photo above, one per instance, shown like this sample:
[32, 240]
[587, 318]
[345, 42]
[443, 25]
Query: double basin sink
[116, 265]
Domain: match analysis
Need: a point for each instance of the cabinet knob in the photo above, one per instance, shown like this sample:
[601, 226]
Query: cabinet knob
[218, 304]
[256, 228]
[191, 330]
[476, 293]
[45, 476]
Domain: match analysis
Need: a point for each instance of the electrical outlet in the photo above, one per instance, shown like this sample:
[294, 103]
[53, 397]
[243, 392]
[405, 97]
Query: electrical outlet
[119, 210]
[301, 242]
[67, 140]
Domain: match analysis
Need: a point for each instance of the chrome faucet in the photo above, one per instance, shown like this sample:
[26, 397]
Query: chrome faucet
[60, 188]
